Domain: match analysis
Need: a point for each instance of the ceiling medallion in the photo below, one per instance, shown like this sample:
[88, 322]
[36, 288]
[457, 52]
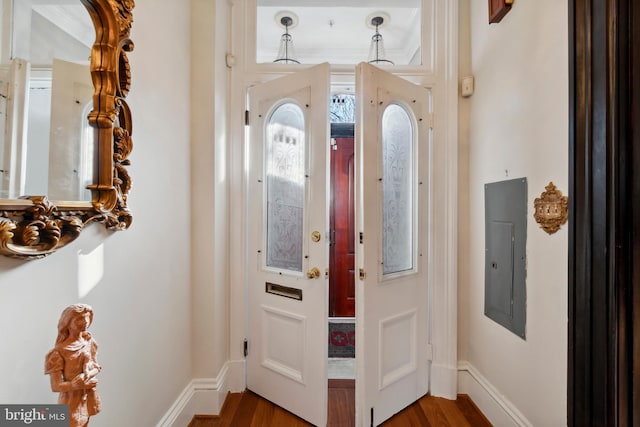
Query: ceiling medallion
[551, 209]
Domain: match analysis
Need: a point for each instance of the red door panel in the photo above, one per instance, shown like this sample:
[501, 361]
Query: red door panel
[341, 255]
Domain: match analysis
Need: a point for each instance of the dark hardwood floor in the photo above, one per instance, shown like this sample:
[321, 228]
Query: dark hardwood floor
[250, 410]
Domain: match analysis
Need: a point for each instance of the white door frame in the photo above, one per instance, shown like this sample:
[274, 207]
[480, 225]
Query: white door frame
[440, 73]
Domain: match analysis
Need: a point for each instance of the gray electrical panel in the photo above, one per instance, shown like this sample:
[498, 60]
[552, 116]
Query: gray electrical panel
[505, 205]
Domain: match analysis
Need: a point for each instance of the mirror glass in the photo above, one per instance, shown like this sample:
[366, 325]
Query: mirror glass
[46, 144]
[339, 31]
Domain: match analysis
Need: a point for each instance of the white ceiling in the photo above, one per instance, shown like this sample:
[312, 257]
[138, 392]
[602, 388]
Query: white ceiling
[73, 19]
[340, 31]
[336, 31]
[44, 29]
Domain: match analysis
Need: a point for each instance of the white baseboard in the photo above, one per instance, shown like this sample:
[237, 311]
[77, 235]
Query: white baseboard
[205, 396]
[497, 408]
[444, 381]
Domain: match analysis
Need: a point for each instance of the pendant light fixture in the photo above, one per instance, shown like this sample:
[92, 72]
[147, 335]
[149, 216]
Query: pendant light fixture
[376, 51]
[286, 54]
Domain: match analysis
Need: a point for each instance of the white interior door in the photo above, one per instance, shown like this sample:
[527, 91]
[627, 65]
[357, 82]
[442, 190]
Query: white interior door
[287, 248]
[70, 151]
[15, 141]
[392, 187]
[4, 94]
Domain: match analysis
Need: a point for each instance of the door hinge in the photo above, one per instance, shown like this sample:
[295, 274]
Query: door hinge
[362, 274]
[361, 238]
[246, 117]
[430, 352]
[245, 347]
[230, 60]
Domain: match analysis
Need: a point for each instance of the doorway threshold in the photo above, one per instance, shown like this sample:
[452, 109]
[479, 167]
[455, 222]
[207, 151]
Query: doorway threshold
[342, 320]
[342, 368]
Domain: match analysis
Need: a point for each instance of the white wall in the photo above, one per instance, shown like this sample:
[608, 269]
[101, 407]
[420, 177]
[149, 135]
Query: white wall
[210, 185]
[142, 297]
[516, 125]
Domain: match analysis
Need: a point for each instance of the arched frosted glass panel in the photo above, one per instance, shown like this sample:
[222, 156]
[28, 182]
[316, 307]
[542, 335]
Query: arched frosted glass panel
[398, 190]
[285, 166]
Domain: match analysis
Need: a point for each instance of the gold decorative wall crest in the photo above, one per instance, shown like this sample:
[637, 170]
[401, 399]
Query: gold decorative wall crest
[551, 209]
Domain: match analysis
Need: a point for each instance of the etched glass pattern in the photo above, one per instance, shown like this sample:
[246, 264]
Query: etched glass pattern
[397, 190]
[342, 108]
[284, 160]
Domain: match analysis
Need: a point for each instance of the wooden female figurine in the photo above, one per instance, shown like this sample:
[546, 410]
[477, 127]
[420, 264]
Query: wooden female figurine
[72, 365]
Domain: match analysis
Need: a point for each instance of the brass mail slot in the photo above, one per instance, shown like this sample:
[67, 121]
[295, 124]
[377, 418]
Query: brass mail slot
[283, 291]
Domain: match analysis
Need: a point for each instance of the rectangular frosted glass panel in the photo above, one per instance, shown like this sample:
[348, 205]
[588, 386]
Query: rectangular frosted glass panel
[397, 190]
[285, 187]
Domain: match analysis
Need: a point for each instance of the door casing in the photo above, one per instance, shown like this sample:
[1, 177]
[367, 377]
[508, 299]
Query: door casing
[439, 71]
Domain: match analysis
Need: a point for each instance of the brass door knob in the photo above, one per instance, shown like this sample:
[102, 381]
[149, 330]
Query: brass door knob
[314, 273]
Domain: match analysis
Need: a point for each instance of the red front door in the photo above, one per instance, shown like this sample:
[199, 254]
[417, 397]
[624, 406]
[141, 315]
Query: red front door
[341, 254]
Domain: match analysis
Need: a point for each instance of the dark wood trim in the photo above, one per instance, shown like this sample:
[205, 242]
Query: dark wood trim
[604, 230]
[498, 9]
[634, 191]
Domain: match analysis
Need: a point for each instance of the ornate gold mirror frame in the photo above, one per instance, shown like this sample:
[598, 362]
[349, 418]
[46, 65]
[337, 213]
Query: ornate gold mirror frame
[33, 227]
